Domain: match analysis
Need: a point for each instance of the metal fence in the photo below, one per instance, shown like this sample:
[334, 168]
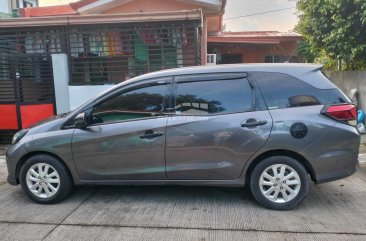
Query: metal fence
[114, 53]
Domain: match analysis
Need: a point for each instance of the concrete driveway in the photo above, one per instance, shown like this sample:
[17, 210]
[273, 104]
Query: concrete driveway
[332, 211]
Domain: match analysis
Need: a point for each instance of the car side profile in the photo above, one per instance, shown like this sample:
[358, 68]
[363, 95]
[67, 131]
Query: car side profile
[272, 127]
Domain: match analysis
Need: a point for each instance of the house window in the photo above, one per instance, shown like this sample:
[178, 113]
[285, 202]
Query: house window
[272, 59]
[27, 4]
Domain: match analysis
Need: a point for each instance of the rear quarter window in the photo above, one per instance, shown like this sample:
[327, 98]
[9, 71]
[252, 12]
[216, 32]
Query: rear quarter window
[285, 91]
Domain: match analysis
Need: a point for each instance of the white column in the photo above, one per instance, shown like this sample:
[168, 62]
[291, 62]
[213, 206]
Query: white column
[61, 82]
[80, 94]
[204, 42]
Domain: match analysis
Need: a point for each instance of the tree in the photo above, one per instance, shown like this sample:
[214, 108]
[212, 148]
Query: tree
[304, 50]
[336, 29]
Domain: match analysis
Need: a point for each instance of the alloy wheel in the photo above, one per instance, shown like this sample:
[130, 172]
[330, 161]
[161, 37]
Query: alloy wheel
[43, 180]
[279, 183]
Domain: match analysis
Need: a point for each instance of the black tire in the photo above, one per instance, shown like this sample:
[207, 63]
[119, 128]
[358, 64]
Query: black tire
[262, 166]
[65, 181]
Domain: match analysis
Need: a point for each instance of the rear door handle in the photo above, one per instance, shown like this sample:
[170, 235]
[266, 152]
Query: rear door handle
[151, 134]
[253, 123]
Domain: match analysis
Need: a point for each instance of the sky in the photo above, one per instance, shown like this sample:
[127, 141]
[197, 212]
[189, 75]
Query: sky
[283, 21]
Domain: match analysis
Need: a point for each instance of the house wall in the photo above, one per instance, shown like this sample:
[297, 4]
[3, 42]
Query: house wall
[213, 24]
[80, 94]
[255, 53]
[5, 6]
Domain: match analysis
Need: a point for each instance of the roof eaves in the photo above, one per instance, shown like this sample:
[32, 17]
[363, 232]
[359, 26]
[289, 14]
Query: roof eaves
[90, 19]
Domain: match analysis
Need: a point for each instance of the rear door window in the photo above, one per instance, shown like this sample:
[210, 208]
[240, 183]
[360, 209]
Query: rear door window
[285, 91]
[213, 97]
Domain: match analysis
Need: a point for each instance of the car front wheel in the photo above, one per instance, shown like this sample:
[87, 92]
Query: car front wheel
[45, 179]
[279, 183]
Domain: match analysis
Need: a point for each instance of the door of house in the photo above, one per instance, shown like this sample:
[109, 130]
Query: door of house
[232, 59]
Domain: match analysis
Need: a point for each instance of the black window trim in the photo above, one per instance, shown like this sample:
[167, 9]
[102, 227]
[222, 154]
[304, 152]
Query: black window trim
[133, 86]
[209, 77]
[257, 94]
[254, 95]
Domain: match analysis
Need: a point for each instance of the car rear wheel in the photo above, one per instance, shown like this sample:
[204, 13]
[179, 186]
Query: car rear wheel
[45, 179]
[279, 183]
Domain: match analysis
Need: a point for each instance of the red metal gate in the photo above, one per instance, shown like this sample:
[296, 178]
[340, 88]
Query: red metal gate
[26, 91]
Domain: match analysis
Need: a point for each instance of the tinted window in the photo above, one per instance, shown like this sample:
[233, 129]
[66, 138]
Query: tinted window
[134, 104]
[213, 97]
[284, 91]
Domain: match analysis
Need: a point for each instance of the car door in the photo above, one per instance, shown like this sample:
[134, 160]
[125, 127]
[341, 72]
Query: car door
[127, 138]
[218, 123]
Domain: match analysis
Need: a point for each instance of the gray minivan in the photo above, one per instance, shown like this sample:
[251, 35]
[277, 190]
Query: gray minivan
[270, 126]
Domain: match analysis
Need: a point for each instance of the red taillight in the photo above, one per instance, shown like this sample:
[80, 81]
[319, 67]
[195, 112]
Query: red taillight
[344, 113]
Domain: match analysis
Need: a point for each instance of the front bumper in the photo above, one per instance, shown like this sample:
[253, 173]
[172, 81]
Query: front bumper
[13, 156]
[12, 180]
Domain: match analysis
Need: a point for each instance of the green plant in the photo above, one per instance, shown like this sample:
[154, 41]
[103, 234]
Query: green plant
[335, 29]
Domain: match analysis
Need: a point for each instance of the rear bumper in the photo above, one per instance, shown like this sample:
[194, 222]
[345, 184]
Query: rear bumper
[337, 175]
[335, 155]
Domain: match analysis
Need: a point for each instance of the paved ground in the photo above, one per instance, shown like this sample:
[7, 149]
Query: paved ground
[363, 144]
[332, 211]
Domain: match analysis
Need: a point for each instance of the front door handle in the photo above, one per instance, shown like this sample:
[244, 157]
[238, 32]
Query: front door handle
[151, 134]
[253, 123]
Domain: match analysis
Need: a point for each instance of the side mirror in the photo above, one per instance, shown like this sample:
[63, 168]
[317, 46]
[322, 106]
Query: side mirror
[80, 121]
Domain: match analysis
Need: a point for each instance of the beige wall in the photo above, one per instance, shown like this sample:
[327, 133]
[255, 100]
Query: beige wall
[347, 80]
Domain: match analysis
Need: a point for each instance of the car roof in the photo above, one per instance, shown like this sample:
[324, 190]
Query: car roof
[306, 72]
[293, 69]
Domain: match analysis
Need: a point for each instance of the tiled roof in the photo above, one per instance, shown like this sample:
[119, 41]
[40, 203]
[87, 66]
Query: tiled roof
[254, 37]
[47, 11]
[259, 34]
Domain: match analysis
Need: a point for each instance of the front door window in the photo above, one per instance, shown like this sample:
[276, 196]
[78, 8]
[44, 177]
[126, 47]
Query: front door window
[140, 103]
